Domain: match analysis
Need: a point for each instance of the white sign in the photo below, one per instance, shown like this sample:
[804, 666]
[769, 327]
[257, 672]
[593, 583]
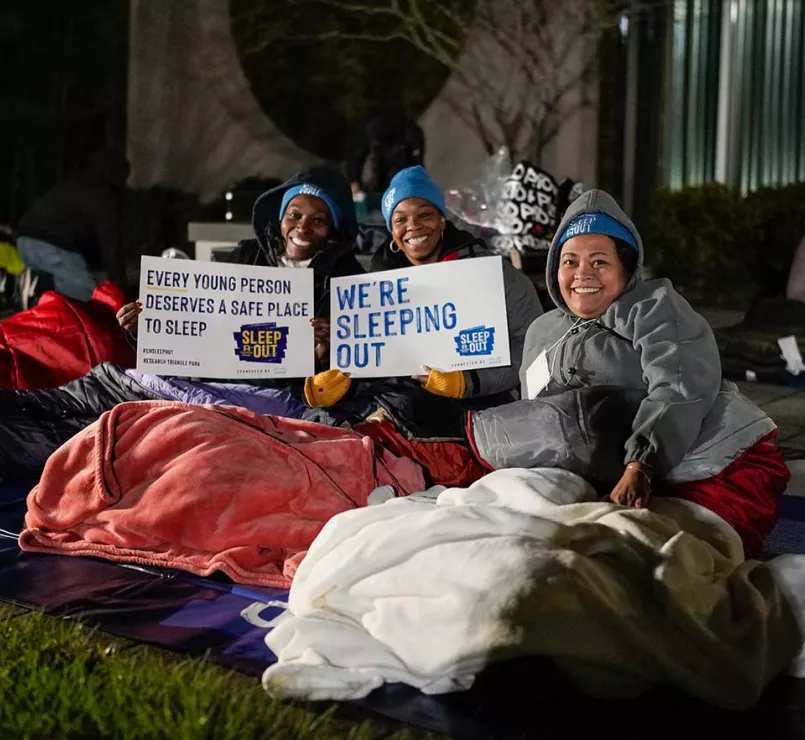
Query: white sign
[447, 316]
[216, 320]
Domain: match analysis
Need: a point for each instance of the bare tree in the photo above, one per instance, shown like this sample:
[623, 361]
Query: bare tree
[520, 68]
[526, 66]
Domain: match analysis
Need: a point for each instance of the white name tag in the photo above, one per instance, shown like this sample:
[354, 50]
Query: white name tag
[791, 355]
[537, 376]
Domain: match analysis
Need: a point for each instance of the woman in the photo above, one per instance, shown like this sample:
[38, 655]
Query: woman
[307, 222]
[692, 436]
[414, 210]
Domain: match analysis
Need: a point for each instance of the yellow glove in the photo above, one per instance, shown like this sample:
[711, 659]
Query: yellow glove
[326, 388]
[450, 385]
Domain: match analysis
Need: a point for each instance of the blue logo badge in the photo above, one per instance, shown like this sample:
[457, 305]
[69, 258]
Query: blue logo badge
[480, 340]
[261, 342]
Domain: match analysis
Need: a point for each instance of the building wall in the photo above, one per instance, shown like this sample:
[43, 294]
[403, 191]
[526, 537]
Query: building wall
[194, 124]
[735, 108]
[456, 150]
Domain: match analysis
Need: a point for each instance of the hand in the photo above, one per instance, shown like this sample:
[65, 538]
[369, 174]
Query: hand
[356, 187]
[451, 384]
[634, 487]
[423, 379]
[321, 334]
[128, 315]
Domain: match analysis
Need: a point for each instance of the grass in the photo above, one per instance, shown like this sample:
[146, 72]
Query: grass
[63, 680]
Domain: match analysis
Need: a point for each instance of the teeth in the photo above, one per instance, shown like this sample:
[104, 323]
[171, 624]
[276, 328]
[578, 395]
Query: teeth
[300, 243]
[586, 290]
[415, 241]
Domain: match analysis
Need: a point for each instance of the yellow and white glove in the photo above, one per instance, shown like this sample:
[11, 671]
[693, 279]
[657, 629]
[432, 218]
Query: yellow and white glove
[326, 388]
[450, 385]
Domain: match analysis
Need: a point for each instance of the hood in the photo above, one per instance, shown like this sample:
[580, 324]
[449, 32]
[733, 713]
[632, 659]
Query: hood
[593, 201]
[458, 244]
[265, 216]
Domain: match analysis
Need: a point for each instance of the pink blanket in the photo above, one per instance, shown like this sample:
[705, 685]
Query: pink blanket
[205, 488]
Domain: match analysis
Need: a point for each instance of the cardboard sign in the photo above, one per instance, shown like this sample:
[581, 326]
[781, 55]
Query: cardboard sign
[447, 316]
[527, 210]
[215, 320]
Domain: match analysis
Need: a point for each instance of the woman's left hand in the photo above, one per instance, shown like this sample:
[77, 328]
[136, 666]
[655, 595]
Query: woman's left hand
[423, 379]
[634, 487]
[321, 333]
[450, 384]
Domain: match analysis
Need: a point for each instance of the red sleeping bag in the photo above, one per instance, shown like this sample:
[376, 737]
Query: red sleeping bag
[60, 339]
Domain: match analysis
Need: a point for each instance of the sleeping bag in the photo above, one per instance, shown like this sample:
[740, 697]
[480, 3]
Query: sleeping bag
[61, 339]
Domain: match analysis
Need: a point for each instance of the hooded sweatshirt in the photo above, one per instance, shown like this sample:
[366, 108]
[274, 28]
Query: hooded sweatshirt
[689, 423]
[522, 305]
[81, 214]
[336, 259]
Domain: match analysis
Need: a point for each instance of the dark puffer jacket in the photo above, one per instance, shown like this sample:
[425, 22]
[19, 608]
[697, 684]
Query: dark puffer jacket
[33, 424]
[337, 259]
[522, 306]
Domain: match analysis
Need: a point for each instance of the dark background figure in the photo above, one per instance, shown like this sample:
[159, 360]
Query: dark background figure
[74, 229]
[389, 142]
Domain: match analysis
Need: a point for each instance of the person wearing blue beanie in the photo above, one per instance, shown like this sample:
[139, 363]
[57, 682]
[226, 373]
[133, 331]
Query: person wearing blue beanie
[412, 182]
[414, 210]
[597, 223]
[314, 191]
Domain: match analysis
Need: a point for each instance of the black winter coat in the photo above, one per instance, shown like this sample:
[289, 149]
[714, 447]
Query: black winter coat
[337, 259]
[34, 424]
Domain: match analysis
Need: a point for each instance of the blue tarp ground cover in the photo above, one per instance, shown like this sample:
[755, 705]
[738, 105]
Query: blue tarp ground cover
[227, 623]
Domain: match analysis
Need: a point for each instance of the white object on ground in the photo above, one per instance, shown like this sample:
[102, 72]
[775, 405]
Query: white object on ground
[529, 562]
[791, 355]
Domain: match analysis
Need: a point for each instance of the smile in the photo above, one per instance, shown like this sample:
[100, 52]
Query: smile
[416, 241]
[586, 291]
[300, 242]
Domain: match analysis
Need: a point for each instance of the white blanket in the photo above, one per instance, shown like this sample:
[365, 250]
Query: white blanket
[428, 590]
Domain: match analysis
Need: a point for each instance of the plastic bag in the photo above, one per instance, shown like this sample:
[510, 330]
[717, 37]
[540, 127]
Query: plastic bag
[520, 206]
[476, 203]
[174, 253]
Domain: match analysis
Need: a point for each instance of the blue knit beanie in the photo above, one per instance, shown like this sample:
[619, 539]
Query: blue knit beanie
[412, 182]
[597, 223]
[315, 191]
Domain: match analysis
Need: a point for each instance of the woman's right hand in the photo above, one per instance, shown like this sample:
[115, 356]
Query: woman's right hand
[321, 333]
[128, 315]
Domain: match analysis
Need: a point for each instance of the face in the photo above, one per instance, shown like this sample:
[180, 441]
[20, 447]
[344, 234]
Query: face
[591, 275]
[305, 226]
[416, 228]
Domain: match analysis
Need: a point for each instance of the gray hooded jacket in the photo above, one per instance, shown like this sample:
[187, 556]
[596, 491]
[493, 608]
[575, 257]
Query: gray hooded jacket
[689, 425]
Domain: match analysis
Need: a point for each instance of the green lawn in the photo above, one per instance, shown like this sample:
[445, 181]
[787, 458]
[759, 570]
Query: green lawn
[60, 679]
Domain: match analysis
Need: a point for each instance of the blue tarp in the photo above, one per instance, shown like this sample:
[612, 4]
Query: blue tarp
[227, 623]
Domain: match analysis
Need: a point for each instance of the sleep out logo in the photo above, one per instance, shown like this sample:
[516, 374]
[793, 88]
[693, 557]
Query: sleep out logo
[261, 342]
[478, 341]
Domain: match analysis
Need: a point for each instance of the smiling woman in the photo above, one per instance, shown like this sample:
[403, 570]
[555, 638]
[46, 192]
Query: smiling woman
[414, 210]
[306, 222]
[593, 272]
[613, 329]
